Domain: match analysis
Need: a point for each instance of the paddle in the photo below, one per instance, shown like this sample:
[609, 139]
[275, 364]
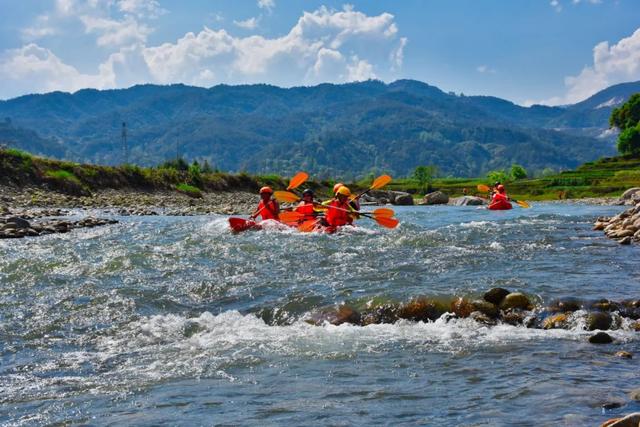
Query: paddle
[377, 184]
[485, 189]
[298, 180]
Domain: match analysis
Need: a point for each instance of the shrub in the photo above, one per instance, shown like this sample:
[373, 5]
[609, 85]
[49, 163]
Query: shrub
[189, 190]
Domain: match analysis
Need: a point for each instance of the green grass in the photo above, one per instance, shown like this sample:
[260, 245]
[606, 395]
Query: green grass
[189, 190]
[607, 177]
[62, 175]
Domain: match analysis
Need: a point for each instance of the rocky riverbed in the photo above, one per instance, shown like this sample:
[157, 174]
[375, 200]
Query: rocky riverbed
[624, 227]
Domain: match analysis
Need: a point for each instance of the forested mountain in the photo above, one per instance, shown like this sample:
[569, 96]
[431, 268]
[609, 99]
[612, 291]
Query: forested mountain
[329, 130]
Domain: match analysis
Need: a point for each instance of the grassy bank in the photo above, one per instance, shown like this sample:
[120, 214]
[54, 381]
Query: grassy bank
[607, 177]
[21, 169]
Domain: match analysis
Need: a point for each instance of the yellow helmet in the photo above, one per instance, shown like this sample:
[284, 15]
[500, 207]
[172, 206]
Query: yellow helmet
[344, 191]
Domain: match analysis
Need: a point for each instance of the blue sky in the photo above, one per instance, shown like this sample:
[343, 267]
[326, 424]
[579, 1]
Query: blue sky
[527, 51]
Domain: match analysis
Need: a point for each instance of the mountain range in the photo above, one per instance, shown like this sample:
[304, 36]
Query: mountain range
[347, 130]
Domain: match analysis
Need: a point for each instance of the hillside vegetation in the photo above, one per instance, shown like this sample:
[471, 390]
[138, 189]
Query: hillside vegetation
[339, 131]
[607, 177]
[21, 169]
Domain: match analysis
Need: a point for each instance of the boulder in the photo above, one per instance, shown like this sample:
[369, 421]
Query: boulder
[385, 196]
[600, 338]
[18, 222]
[496, 295]
[515, 300]
[635, 395]
[628, 195]
[435, 198]
[601, 321]
[467, 201]
[404, 199]
[486, 308]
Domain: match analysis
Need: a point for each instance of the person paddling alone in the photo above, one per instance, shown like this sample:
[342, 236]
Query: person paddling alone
[268, 207]
[305, 207]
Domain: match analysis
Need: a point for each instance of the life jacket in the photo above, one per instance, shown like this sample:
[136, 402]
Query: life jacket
[270, 211]
[307, 210]
[340, 216]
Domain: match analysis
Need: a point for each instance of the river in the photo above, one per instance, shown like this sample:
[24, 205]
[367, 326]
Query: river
[176, 321]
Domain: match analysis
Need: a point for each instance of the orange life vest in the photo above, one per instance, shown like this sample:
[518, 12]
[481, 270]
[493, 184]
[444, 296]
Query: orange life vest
[307, 210]
[270, 211]
[340, 216]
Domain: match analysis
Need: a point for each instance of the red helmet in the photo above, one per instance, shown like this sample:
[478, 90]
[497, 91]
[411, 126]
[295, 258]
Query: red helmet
[500, 188]
[266, 190]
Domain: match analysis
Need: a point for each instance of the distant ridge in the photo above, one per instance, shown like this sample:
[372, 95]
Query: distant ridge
[346, 130]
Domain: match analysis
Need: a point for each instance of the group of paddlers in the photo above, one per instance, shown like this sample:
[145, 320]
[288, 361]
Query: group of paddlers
[339, 211]
[309, 214]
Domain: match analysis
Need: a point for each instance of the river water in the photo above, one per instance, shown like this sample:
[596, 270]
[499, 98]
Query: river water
[176, 321]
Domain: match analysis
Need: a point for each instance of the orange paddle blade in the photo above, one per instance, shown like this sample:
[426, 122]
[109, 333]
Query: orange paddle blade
[387, 222]
[383, 212]
[380, 182]
[297, 180]
[288, 216]
[286, 197]
[522, 204]
[483, 188]
[307, 226]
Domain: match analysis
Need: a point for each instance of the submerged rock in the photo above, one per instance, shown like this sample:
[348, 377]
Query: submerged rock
[556, 321]
[624, 354]
[600, 338]
[515, 300]
[496, 295]
[599, 320]
[421, 310]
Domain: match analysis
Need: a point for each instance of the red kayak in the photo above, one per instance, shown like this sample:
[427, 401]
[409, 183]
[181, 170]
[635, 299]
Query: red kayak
[240, 224]
[500, 205]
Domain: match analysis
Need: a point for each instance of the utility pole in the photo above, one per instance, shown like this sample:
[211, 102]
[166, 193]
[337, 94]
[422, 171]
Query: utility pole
[125, 146]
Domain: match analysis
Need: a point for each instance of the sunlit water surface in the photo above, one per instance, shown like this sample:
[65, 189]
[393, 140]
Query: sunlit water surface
[174, 320]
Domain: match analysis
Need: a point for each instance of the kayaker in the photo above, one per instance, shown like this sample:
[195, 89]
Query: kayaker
[306, 206]
[268, 207]
[355, 204]
[339, 210]
[500, 200]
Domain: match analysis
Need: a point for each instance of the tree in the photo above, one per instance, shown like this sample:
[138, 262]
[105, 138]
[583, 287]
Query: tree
[424, 175]
[627, 119]
[629, 141]
[518, 172]
[498, 176]
[627, 115]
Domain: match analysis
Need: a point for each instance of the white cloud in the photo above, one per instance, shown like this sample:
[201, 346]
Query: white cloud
[323, 46]
[116, 33]
[267, 4]
[142, 8]
[613, 64]
[33, 69]
[557, 5]
[485, 69]
[41, 28]
[248, 24]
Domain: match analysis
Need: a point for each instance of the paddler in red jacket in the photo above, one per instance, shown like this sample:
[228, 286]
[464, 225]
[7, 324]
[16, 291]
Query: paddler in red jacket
[268, 208]
[305, 207]
[355, 204]
[500, 199]
[339, 210]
